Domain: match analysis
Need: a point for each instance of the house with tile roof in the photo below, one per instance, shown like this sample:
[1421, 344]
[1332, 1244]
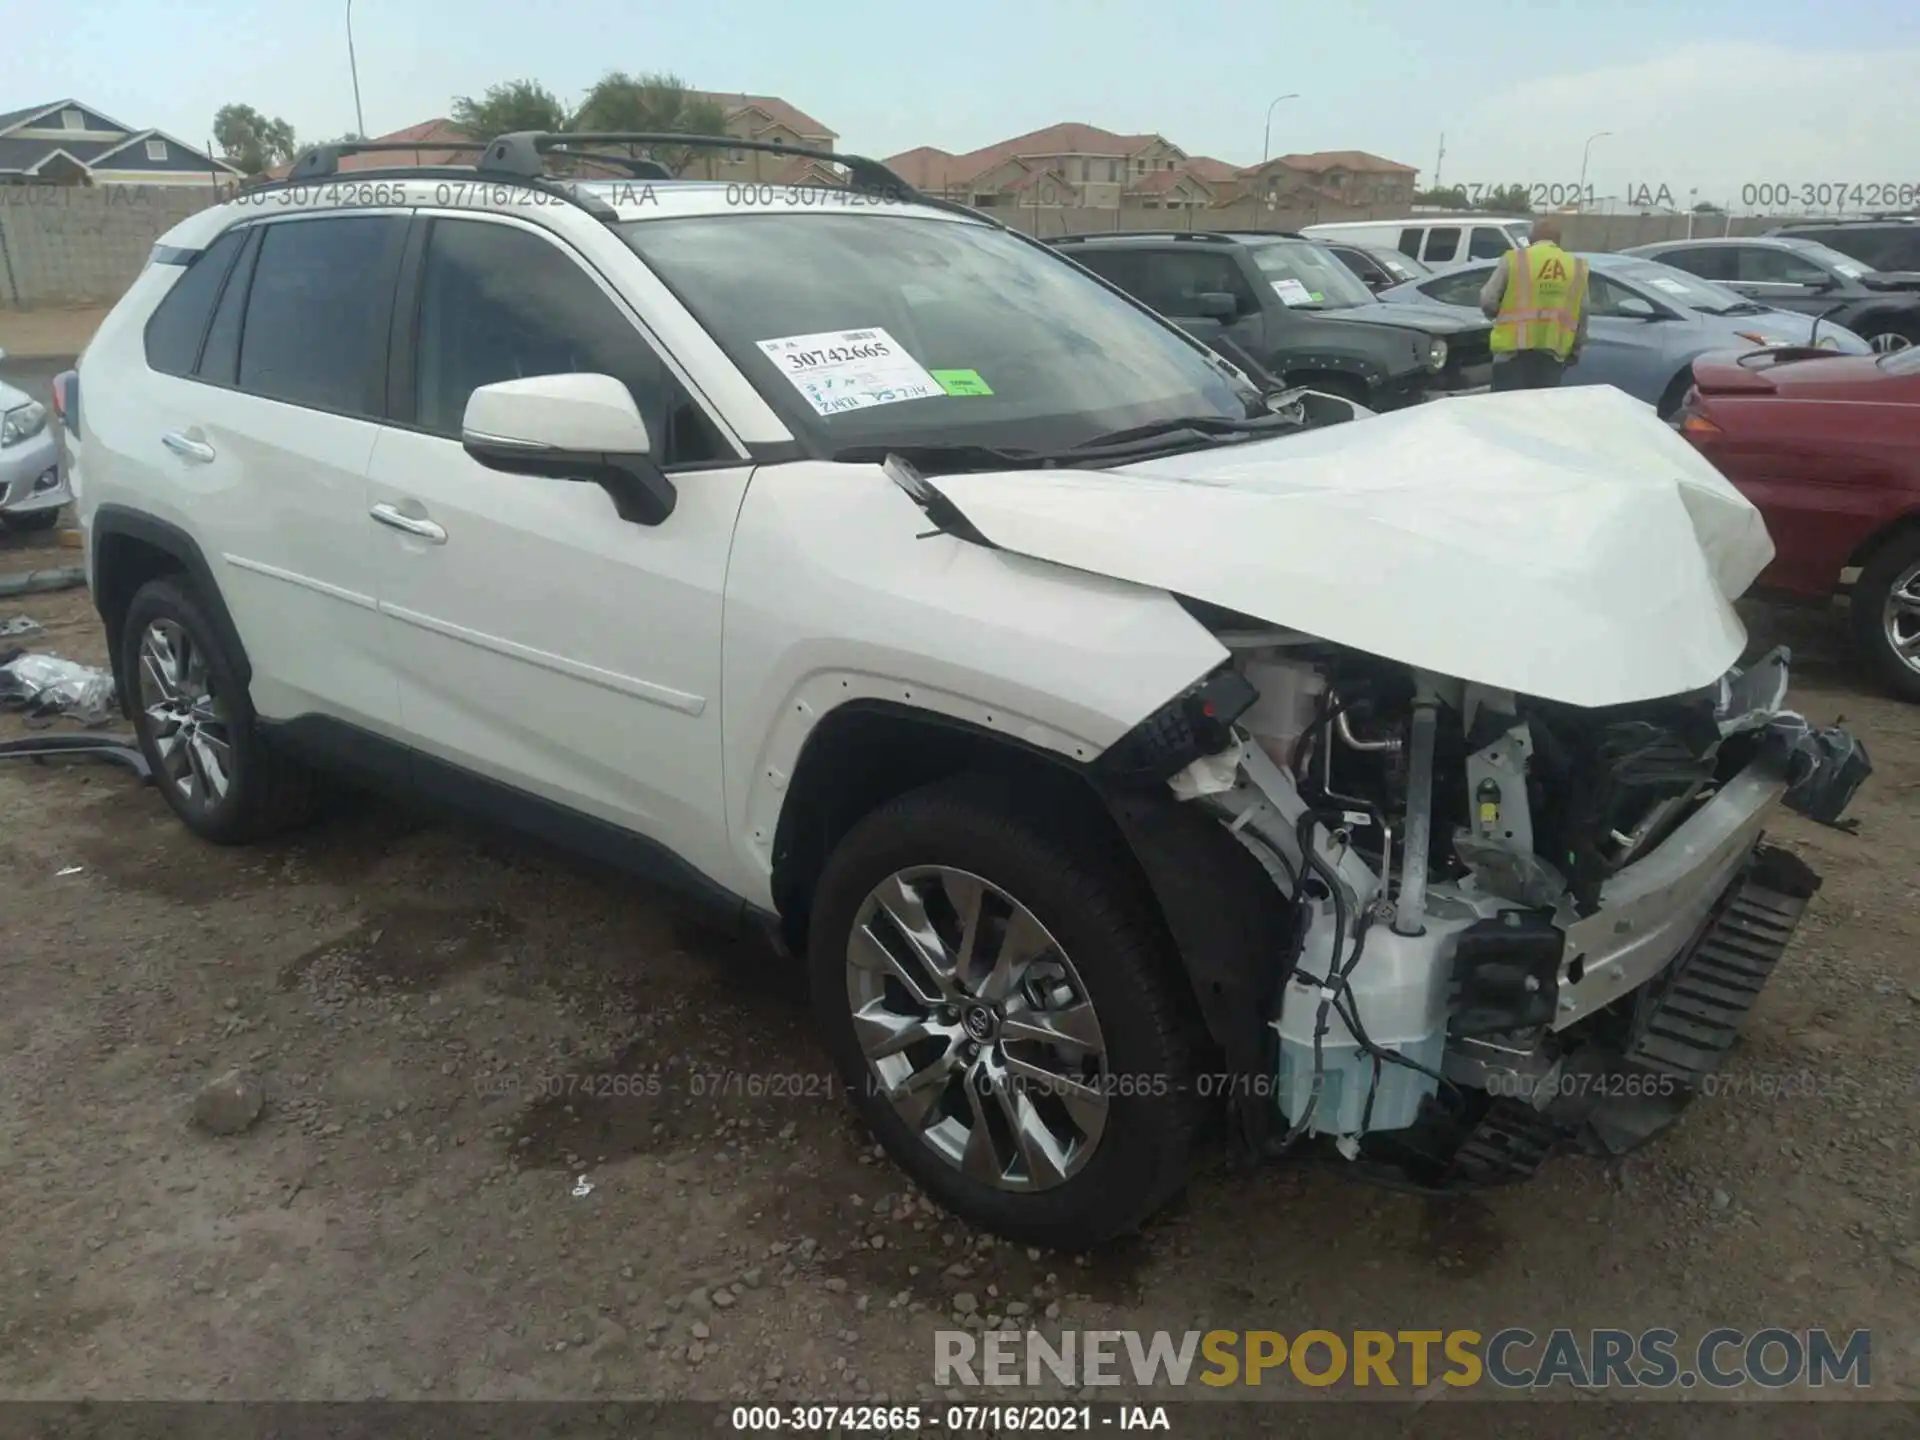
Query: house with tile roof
[1345, 177]
[66, 142]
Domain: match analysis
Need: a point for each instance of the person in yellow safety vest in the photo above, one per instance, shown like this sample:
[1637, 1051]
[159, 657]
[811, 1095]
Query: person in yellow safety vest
[1537, 300]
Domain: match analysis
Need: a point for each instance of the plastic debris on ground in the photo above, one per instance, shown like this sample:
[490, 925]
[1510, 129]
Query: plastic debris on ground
[20, 625]
[45, 685]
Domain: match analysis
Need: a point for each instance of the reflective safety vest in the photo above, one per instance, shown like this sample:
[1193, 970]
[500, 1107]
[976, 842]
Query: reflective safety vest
[1541, 308]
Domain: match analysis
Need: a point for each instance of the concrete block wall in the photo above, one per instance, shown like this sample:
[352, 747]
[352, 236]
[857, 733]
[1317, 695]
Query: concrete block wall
[83, 245]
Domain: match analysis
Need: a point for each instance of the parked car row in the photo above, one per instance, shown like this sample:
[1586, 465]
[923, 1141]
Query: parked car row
[1761, 349]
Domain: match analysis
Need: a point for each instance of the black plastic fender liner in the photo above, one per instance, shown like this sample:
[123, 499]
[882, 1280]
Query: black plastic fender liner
[1231, 925]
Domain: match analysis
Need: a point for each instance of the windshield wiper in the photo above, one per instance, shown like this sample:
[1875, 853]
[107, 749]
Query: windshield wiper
[1745, 307]
[1206, 425]
[935, 457]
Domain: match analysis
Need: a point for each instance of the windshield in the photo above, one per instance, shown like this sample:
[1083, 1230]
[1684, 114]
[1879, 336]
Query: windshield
[862, 330]
[1401, 267]
[1677, 287]
[1307, 276]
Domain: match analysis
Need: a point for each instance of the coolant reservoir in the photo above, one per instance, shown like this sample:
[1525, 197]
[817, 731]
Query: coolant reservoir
[1289, 699]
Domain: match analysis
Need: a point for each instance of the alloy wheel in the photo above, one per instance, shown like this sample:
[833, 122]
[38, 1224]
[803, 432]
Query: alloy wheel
[977, 1028]
[1900, 617]
[187, 720]
[1888, 341]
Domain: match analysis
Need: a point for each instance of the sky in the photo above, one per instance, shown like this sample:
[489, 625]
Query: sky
[1706, 96]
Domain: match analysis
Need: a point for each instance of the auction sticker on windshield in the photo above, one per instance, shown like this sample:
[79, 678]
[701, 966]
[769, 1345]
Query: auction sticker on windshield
[840, 370]
[1293, 292]
[1672, 287]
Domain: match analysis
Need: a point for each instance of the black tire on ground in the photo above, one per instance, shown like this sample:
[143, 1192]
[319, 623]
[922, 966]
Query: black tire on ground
[1867, 612]
[32, 521]
[1078, 886]
[267, 791]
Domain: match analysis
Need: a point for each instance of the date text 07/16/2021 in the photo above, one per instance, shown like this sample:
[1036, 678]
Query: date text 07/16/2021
[1751, 195]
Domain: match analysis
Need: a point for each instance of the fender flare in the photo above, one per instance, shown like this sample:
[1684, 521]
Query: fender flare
[120, 521]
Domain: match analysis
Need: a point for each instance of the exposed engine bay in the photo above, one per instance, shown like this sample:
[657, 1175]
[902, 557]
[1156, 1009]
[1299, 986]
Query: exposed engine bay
[1515, 922]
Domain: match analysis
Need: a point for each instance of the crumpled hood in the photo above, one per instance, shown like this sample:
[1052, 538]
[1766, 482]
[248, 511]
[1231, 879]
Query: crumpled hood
[1565, 544]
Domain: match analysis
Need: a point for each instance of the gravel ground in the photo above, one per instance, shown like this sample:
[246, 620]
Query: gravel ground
[506, 1150]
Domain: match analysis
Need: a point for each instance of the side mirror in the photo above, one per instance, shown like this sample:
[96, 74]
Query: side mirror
[1216, 305]
[570, 427]
[1823, 284]
[1634, 308]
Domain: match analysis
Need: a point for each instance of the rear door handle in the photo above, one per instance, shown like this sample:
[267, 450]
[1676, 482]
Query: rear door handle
[187, 448]
[398, 519]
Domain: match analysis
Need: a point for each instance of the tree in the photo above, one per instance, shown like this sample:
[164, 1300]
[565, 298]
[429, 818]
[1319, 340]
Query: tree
[515, 105]
[1508, 199]
[249, 141]
[1707, 207]
[1451, 197]
[660, 103]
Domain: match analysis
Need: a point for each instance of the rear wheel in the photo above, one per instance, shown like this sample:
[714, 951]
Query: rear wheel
[1002, 1005]
[1885, 608]
[195, 723]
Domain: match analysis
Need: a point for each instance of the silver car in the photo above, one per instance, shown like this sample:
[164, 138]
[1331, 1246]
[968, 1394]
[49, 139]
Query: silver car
[32, 489]
[1648, 322]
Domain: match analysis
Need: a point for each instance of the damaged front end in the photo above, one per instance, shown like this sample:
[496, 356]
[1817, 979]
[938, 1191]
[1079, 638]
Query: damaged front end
[1446, 928]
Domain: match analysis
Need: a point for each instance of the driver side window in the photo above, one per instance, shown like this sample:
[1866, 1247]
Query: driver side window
[501, 303]
[1175, 279]
[1604, 297]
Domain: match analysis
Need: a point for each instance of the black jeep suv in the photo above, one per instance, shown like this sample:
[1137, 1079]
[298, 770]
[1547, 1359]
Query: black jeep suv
[1290, 304]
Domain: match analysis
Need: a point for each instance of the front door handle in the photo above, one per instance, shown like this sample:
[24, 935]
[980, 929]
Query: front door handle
[187, 448]
[419, 525]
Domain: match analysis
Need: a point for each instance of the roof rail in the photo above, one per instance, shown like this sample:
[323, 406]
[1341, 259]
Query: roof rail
[324, 160]
[522, 155]
[1207, 235]
[524, 151]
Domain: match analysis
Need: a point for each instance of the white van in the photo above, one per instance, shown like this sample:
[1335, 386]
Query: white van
[1439, 240]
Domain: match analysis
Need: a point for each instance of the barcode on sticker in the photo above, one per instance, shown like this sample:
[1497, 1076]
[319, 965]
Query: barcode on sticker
[859, 335]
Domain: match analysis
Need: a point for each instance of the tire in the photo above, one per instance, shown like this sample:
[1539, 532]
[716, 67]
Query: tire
[1892, 335]
[167, 641]
[1108, 950]
[33, 522]
[1675, 394]
[1895, 567]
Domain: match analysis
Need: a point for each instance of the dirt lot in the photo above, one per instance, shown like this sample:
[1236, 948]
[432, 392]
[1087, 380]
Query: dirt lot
[412, 1217]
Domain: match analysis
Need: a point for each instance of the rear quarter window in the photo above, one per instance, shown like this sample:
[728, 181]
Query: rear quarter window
[179, 323]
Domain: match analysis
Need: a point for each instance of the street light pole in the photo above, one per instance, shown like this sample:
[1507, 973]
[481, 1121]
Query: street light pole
[353, 65]
[1266, 135]
[1580, 190]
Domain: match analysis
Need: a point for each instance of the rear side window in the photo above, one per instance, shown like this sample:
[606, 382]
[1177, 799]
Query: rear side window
[1117, 267]
[179, 323]
[1457, 289]
[220, 357]
[1410, 244]
[315, 331]
[1443, 243]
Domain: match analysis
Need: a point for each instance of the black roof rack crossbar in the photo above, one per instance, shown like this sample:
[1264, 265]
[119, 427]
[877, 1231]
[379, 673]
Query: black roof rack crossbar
[522, 152]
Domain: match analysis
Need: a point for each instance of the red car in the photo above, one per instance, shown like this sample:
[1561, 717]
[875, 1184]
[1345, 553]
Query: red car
[1828, 448]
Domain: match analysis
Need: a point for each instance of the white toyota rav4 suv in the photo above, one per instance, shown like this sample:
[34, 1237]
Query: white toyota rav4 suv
[1129, 752]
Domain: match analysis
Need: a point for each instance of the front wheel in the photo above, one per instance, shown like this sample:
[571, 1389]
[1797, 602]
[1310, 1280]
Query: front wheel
[1885, 611]
[1002, 1005]
[1896, 336]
